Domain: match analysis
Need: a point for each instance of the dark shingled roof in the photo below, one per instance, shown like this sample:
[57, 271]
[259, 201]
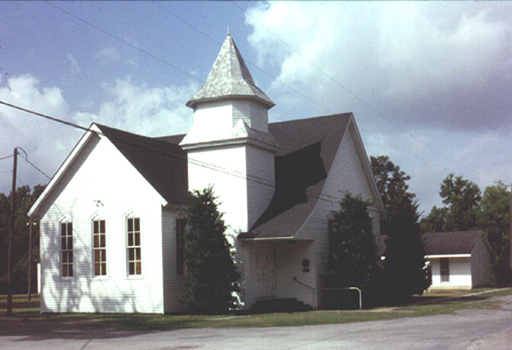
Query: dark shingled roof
[458, 242]
[229, 77]
[308, 148]
[161, 163]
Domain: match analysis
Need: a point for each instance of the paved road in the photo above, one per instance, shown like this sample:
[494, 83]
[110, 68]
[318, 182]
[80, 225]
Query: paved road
[472, 329]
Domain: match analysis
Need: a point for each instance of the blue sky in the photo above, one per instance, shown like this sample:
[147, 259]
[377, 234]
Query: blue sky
[429, 83]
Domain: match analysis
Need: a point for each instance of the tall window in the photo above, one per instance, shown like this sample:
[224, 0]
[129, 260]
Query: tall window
[180, 246]
[66, 249]
[99, 247]
[445, 269]
[133, 246]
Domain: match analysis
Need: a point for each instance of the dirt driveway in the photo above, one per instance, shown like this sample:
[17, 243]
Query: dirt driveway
[471, 329]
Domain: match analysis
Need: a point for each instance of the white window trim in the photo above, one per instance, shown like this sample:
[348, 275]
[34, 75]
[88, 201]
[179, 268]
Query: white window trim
[133, 215]
[441, 273]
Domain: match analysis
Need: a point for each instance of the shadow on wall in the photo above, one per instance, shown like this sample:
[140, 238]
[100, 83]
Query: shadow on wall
[76, 294]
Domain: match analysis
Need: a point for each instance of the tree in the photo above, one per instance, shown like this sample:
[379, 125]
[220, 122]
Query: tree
[25, 198]
[403, 273]
[494, 220]
[461, 198]
[211, 273]
[435, 221]
[353, 258]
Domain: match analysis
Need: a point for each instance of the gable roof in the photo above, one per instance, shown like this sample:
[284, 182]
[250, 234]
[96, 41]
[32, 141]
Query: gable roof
[449, 243]
[229, 77]
[308, 148]
[162, 164]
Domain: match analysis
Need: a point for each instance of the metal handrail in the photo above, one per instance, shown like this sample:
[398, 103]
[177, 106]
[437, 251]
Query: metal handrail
[351, 288]
[313, 290]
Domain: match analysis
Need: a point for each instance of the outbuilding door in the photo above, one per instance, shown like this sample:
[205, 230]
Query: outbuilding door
[264, 262]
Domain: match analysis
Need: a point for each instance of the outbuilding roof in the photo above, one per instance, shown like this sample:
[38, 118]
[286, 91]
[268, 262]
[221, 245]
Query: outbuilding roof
[448, 243]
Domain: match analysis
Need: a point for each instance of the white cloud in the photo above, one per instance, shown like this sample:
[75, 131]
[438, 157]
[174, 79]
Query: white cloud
[110, 54]
[151, 111]
[430, 82]
[401, 54]
[43, 140]
[74, 68]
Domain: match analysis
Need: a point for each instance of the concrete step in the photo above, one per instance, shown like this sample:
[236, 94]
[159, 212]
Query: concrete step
[279, 305]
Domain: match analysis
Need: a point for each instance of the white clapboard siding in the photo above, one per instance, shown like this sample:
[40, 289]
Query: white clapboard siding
[102, 184]
[228, 179]
[481, 265]
[460, 273]
[173, 284]
[346, 175]
[260, 186]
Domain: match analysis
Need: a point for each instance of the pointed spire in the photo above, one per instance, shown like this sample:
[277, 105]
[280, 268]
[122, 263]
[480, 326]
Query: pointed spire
[229, 78]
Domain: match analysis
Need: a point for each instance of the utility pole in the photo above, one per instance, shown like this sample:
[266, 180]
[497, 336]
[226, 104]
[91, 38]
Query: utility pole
[11, 233]
[510, 232]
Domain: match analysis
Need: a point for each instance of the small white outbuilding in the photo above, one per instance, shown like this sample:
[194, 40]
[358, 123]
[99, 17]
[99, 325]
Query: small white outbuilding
[460, 259]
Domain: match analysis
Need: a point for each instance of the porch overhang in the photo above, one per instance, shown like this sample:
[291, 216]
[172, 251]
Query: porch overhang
[247, 237]
[440, 256]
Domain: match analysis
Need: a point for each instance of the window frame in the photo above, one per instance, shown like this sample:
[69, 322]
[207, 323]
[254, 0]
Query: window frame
[66, 266]
[131, 246]
[99, 248]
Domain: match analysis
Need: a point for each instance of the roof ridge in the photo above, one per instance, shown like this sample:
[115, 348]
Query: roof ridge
[149, 138]
[314, 118]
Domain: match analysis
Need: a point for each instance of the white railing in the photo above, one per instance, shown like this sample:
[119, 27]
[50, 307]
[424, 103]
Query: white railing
[360, 292]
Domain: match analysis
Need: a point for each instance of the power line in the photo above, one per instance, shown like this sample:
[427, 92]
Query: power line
[135, 47]
[7, 157]
[44, 116]
[187, 23]
[361, 100]
[401, 149]
[247, 61]
[254, 65]
[251, 63]
[35, 167]
[210, 166]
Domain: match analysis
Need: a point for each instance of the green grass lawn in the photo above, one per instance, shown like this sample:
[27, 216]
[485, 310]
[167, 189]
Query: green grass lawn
[430, 304]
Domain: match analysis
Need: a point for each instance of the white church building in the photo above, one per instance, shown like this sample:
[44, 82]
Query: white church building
[112, 217]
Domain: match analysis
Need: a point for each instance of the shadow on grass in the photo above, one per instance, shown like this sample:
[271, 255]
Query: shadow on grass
[28, 324]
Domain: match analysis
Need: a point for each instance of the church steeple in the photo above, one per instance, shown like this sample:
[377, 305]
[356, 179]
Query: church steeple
[229, 145]
[229, 78]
